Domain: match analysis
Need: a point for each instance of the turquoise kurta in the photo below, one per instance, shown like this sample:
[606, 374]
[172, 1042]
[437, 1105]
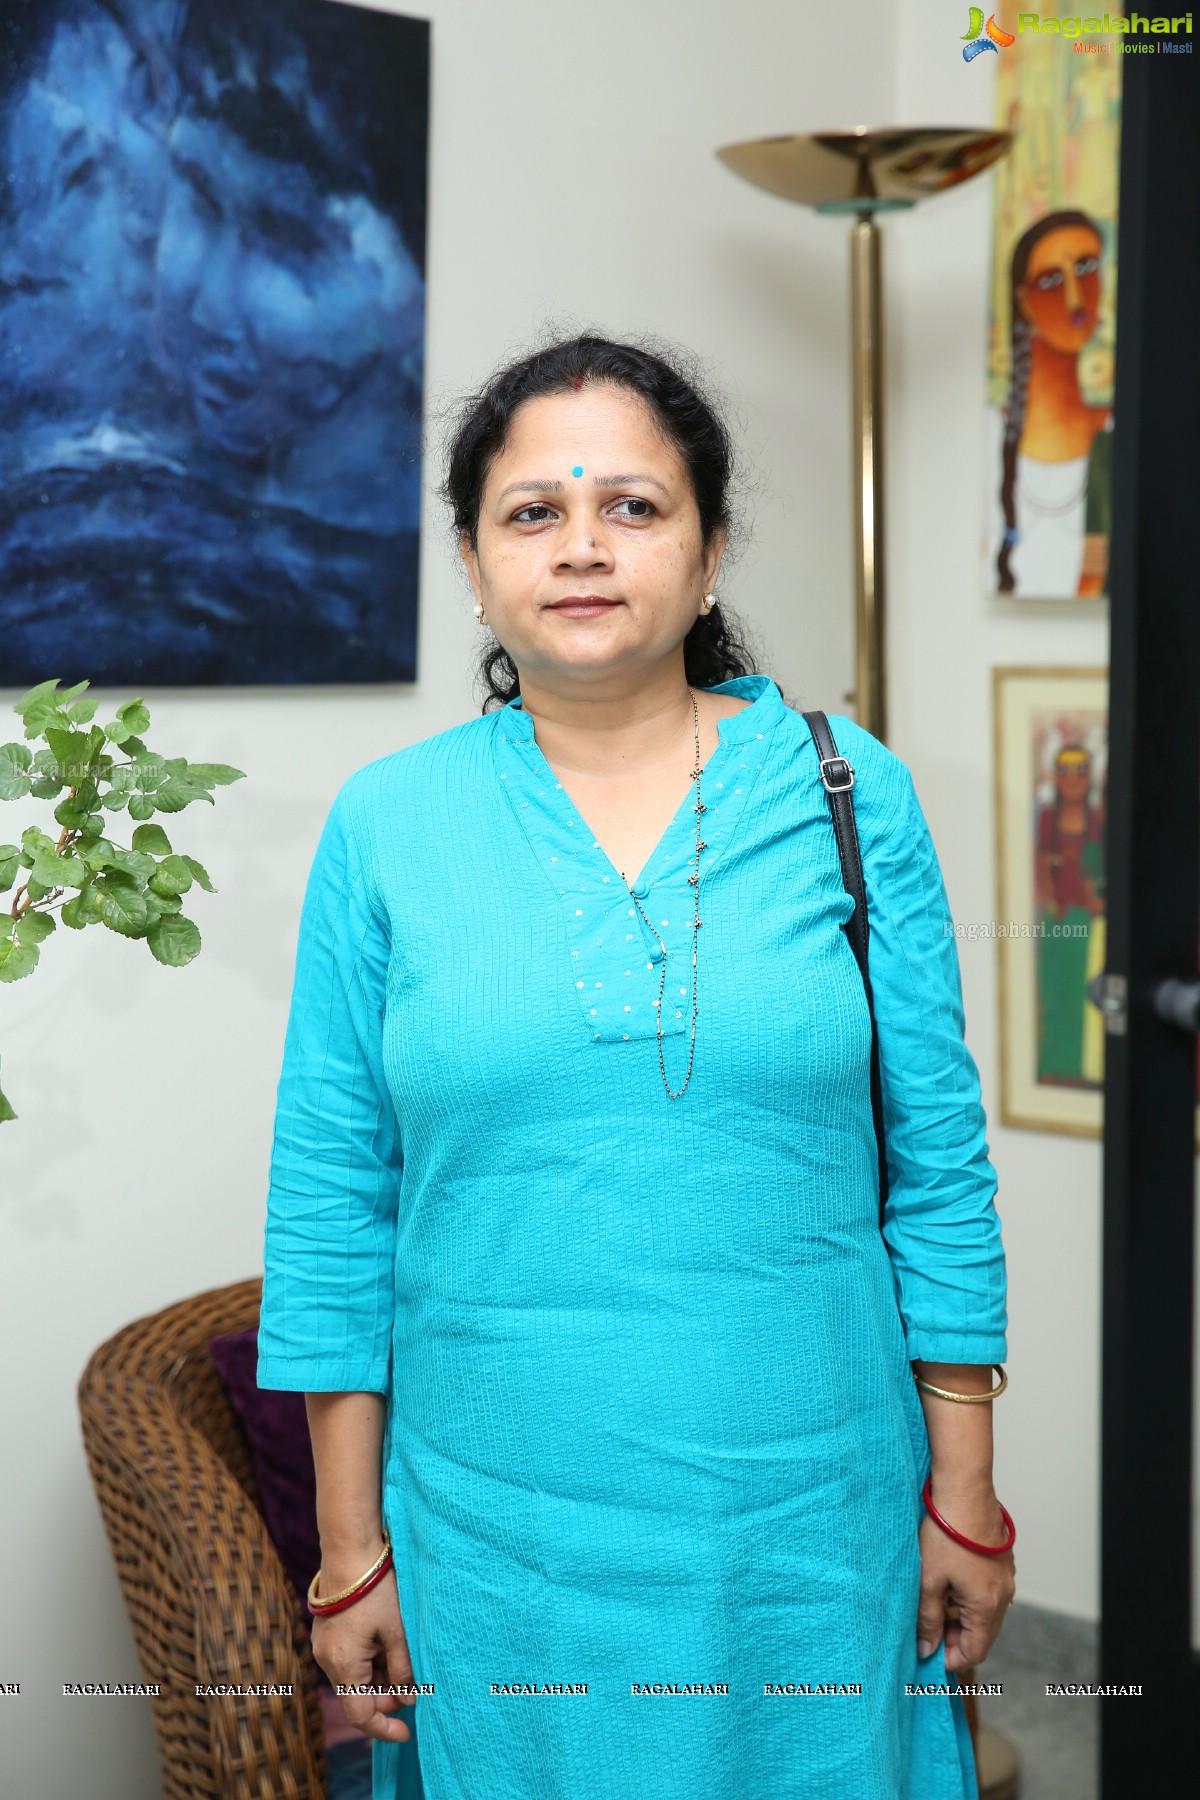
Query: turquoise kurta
[651, 1422]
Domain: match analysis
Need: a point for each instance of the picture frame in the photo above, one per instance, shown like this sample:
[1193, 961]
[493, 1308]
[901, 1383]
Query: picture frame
[1051, 347]
[1050, 767]
[212, 342]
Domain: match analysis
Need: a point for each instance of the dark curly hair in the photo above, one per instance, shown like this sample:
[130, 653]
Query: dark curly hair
[715, 649]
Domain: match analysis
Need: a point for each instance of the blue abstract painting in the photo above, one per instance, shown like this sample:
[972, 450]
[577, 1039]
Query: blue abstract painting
[212, 322]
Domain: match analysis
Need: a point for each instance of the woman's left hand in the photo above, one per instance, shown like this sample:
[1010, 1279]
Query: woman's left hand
[981, 1587]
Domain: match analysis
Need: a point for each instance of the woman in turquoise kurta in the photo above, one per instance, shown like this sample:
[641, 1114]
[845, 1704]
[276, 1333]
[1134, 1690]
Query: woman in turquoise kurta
[652, 1452]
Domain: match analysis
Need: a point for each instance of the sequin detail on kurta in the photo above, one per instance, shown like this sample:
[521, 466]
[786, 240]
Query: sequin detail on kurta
[651, 1420]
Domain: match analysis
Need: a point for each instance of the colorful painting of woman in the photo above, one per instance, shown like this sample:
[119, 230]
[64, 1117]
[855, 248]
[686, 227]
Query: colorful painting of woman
[1052, 524]
[1069, 884]
[1052, 320]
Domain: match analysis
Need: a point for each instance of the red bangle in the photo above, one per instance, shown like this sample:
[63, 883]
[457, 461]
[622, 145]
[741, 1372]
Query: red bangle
[968, 1543]
[321, 1608]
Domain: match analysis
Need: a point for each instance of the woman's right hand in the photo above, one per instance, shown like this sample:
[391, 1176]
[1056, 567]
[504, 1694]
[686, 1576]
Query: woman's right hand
[364, 1645]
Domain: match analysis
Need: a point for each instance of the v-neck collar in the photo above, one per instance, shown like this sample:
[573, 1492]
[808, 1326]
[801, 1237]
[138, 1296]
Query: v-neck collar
[751, 723]
[617, 959]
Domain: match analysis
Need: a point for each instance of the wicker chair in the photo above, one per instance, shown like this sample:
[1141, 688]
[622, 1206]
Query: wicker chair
[207, 1595]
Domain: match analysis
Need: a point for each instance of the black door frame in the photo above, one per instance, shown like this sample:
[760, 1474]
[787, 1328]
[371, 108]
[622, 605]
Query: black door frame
[1153, 861]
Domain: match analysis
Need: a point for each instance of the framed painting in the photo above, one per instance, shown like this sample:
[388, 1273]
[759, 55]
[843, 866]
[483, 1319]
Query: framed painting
[1052, 327]
[212, 306]
[1051, 756]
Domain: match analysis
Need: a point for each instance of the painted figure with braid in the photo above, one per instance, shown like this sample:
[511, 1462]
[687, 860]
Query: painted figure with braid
[1054, 478]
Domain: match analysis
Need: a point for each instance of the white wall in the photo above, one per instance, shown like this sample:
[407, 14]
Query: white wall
[572, 178]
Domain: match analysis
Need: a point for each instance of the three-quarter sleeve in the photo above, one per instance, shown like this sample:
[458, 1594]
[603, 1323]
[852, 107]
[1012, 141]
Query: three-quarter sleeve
[941, 1224]
[329, 1283]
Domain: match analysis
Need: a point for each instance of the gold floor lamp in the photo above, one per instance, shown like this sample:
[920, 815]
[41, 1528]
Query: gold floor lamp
[864, 173]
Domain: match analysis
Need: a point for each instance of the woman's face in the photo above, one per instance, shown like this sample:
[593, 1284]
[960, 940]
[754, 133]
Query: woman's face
[1073, 775]
[588, 499]
[1060, 295]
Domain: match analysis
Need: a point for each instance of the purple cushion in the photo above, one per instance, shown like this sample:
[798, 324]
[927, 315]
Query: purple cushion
[276, 1426]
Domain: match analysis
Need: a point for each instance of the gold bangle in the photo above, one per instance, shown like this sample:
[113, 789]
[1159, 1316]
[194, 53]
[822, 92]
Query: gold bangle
[945, 1393]
[332, 1599]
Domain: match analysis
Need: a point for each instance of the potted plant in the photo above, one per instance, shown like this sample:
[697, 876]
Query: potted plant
[84, 876]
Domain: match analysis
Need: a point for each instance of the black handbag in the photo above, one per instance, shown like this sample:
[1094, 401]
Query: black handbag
[837, 777]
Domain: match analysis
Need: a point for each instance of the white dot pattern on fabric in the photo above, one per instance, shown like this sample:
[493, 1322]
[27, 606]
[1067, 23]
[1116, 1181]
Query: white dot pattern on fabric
[627, 1006]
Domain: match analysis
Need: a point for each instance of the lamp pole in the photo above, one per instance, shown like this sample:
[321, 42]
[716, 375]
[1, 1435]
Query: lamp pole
[870, 584]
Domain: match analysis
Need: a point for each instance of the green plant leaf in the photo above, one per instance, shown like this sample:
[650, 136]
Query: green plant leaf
[38, 706]
[59, 871]
[200, 873]
[122, 907]
[83, 710]
[159, 905]
[174, 940]
[6, 1111]
[172, 876]
[152, 839]
[176, 793]
[32, 927]
[136, 862]
[118, 731]
[72, 754]
[114, 801]
[98, 854]
[45, 869]
[148, 771]
[82, 908]
[215, 774]
[10, 866]
[36, 693]
[75, 808]
[141, 806]
[15, 760]
[17, 960]
[135, 714]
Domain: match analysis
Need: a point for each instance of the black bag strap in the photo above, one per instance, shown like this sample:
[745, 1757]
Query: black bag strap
[837, 776]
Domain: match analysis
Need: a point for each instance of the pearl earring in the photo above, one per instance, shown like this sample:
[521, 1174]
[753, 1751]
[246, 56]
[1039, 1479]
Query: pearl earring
[707, 604]
[479, 611]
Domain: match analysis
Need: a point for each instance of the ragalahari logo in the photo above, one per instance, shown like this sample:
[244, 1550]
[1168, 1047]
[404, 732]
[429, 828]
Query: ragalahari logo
[975, 43]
